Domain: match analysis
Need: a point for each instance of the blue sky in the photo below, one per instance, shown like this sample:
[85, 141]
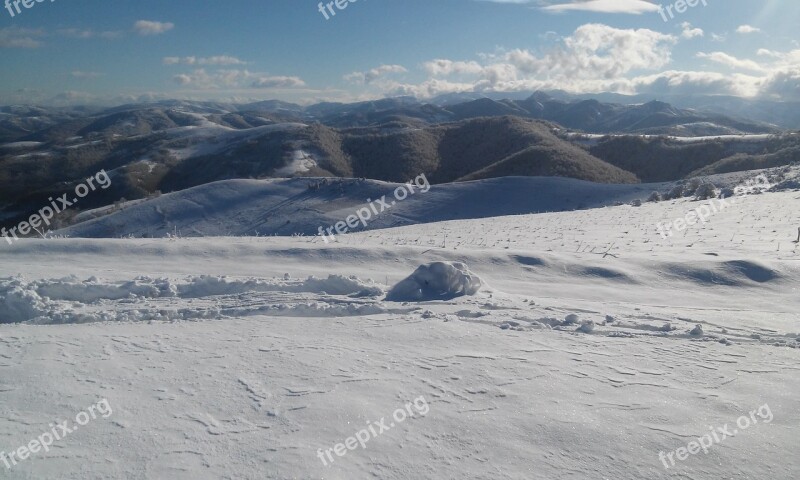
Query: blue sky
[90, 51]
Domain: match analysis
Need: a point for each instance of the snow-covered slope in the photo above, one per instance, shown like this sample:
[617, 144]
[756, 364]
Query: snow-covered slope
[287, 207]
[222, 358]
[291, 207]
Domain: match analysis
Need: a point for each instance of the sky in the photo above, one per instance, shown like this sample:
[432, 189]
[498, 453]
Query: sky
[68, 52]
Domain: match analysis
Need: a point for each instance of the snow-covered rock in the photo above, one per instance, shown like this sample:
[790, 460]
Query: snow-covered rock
[436, 281]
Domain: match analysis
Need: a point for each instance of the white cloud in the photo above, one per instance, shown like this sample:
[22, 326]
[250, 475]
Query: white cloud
[731, 61]
[783, 85]
[201, 78]
[183, 79]
[431, 88]
[763, 52]
[689, 32]
[444, 68]
[15, 37]
[592, 51]
[88, 33]
[149, 27]
[235, 79]
[370, 76]
[599, 58]
[220, 60]
[278, 82]
[594, 58]
[633, 7]
[746, 29]
[696, 83]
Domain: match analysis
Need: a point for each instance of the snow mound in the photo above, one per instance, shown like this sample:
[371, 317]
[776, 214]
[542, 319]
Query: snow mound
[436, 281]
[18, 303]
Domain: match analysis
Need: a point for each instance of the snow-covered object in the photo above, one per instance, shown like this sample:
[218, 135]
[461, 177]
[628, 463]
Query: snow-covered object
[436, 281]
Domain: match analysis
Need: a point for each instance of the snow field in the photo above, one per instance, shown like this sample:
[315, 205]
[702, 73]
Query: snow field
[579, 356]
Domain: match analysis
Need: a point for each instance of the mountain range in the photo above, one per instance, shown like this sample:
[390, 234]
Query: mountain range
[174, 145]
[716, 117]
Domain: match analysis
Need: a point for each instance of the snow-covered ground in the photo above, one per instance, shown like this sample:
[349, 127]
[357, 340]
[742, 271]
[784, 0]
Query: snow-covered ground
[245, 357]
[210, 138]
[301, 162]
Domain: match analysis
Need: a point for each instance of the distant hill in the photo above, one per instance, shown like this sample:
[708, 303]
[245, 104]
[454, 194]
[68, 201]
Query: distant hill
[659, 159]
[782, 153]
[544, 162]
[174, 150]
[653, 118]
[496, 147]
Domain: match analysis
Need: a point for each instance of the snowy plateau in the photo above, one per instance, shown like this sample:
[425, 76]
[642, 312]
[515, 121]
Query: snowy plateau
[552, 332]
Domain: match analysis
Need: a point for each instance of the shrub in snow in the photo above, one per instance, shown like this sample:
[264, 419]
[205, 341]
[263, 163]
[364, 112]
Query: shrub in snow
[705, 191]
[694, 184]
[436, 281]
[726, 193]
[676, 192]
[697, 331]
[636, 203]
[788, 185]
[655, 197]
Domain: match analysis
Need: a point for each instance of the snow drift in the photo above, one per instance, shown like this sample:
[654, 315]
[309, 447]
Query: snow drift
[71, 300]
